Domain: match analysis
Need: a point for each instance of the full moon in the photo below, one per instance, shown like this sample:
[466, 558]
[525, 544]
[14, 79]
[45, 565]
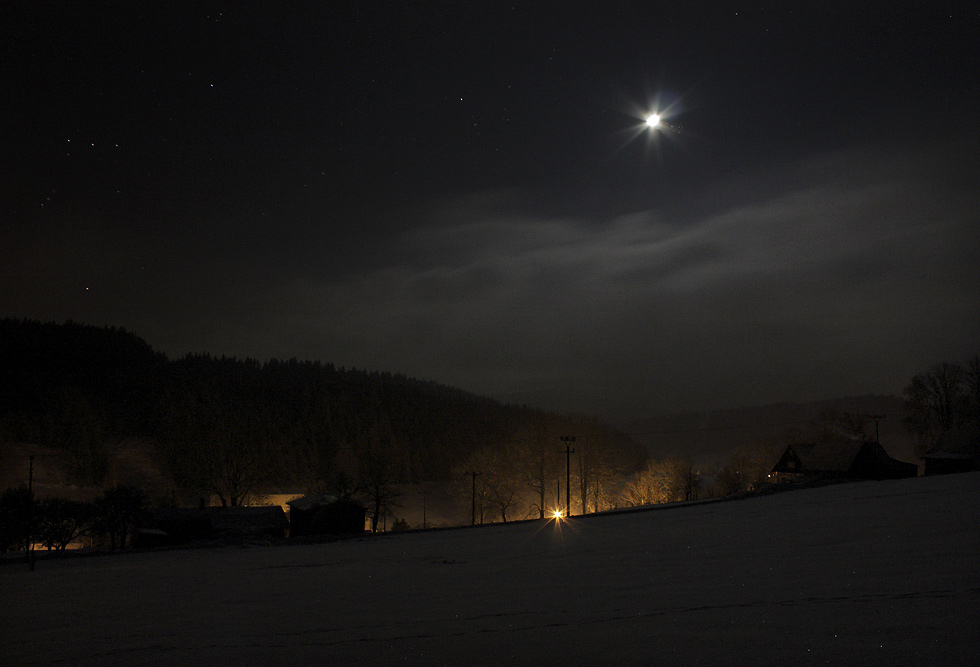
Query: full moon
[653, 120]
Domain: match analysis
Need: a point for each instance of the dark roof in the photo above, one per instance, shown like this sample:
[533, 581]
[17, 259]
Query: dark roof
[315, 501]
[832, 456]
[311, 502]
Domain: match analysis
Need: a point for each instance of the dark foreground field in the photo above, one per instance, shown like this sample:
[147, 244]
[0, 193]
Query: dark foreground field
[875, 573]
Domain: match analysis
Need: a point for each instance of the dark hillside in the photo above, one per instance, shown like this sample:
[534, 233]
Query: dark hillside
[82, 390]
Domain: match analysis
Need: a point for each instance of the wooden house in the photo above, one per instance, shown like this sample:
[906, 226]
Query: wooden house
[842, 458]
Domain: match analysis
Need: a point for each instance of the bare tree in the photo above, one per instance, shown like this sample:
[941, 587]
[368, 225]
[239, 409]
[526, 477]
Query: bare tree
[234, 465]
[733, 476]
[337, 484]
[642, 488]
[497, 485]
[503, 478]
[378, 485]
[377, 472]
[585, 472]
[538, 463]
[62, 521]
[748, 467]
[934, 403]
[691, 481]
[119, 513]
[599, 464]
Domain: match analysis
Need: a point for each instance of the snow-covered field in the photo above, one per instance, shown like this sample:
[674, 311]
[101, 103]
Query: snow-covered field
[875, 573]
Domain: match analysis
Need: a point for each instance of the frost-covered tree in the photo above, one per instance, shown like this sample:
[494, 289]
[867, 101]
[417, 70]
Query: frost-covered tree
[664, 481]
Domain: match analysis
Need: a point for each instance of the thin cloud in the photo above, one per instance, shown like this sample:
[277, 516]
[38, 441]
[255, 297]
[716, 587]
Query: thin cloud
[811, 291]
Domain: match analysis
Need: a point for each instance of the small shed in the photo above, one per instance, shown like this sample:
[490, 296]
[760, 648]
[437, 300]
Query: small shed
[325, 515]
[842, 457]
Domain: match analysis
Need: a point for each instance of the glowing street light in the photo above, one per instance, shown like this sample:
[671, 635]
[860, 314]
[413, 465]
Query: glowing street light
[653, 121]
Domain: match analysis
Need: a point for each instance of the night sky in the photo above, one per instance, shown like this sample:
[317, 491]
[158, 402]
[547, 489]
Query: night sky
[465, 192]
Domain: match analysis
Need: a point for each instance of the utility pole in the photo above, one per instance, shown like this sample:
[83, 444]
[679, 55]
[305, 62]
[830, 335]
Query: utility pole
[473, 474]
[568, 440]
[423, 493]
[30, 513]
[876, 419]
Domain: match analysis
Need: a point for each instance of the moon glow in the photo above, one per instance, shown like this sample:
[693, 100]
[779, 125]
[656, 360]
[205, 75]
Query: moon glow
[653, 120]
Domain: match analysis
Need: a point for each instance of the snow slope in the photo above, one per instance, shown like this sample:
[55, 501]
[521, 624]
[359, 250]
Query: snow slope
[875, 573]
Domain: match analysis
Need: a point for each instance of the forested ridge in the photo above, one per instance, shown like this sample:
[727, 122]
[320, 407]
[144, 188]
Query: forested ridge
[81, 388]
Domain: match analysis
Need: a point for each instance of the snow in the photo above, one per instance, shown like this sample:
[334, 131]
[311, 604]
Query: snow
[862, 573]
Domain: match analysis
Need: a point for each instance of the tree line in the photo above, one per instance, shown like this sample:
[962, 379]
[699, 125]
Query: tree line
[112, 519]
[941, 400]
[227, 427]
